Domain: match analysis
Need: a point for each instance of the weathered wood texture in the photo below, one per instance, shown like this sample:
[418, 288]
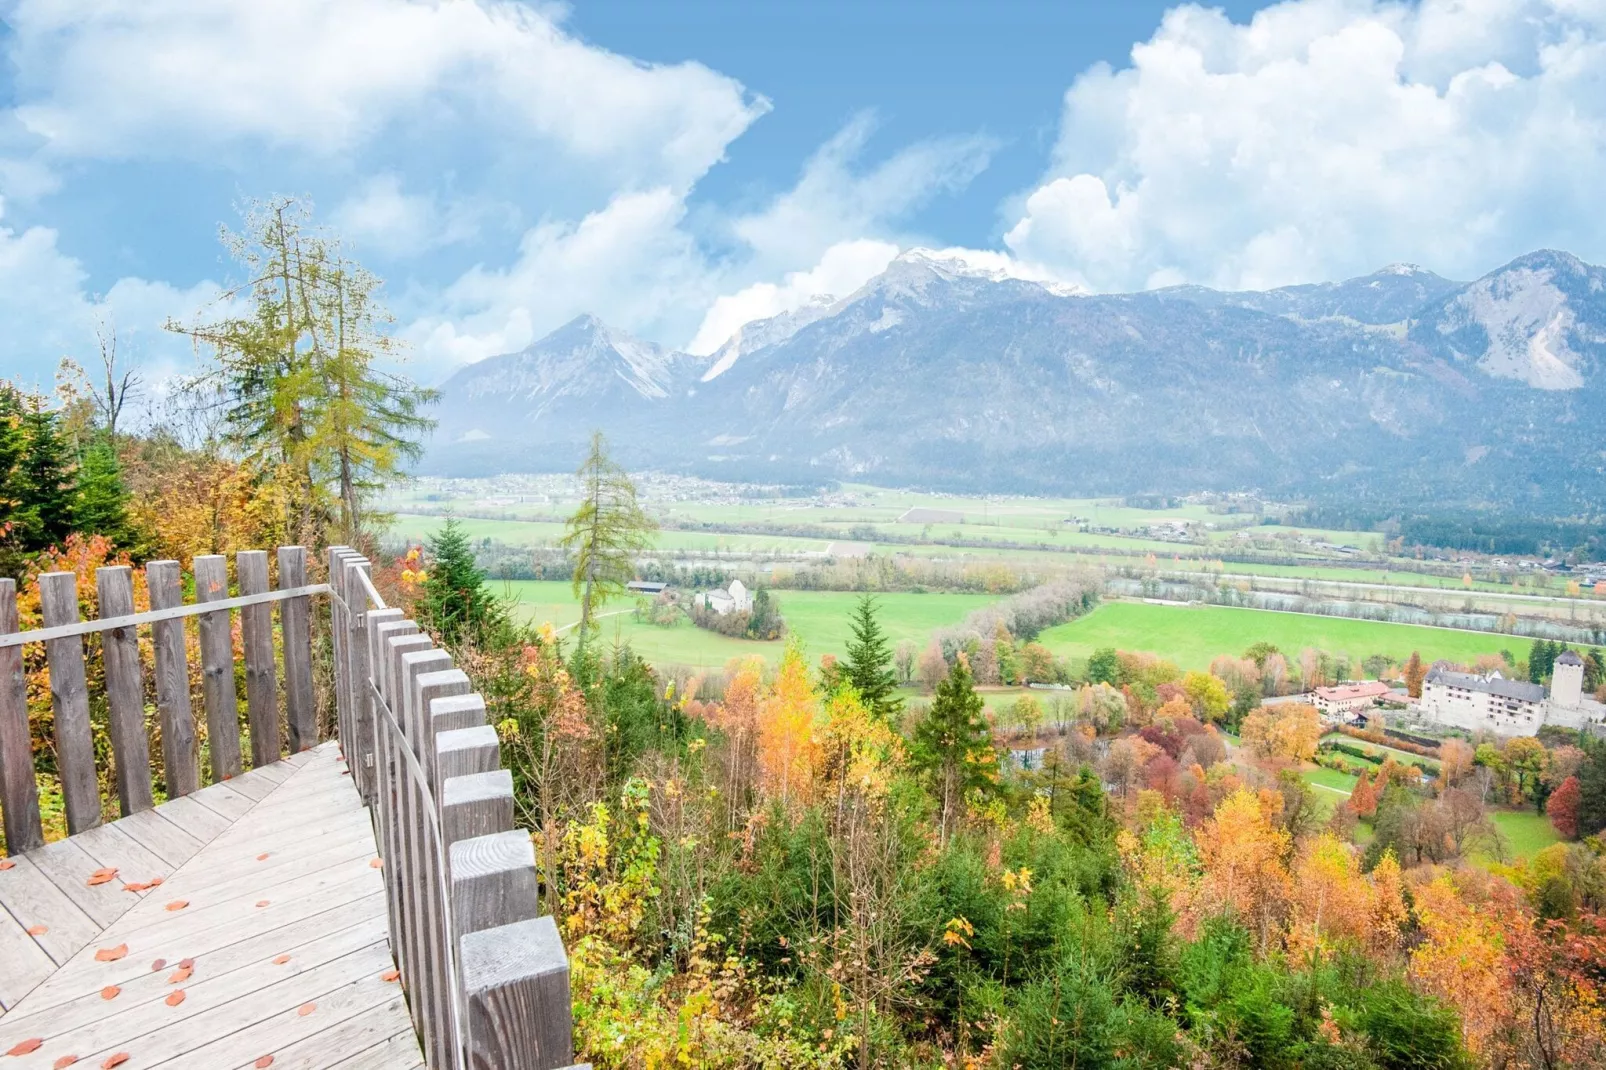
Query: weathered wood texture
[19, 796]
[261, 671]
[125, 692]
[296, 623]
[69, 703]
[172, 671]
[217, 669]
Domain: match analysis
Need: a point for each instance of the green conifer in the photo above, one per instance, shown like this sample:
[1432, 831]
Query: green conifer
[457, 604]
[869, 662]
[44, 480]
[952, 743]
[102, 506]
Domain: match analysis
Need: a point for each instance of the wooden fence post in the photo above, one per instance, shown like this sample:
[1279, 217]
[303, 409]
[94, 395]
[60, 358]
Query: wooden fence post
[516, 996]
[217, 668]
[261, 674]
[69, 701]
[125, 691]
[362, 716]
[19, 795]
[172, 670]
[297, 630]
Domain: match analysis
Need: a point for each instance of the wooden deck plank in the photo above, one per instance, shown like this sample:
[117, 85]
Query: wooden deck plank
[141, 984]
[252, 784]
[400, 1052]
[33, 900]
[161, 837]
[69, 867]
[361, 1033]
[111, 846]
[224, 800]
[25, 963]
[194, 818]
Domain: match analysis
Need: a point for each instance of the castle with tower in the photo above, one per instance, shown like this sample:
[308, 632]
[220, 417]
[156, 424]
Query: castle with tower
[1489, 702]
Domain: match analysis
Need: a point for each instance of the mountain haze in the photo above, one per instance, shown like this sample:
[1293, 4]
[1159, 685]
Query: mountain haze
[1399, 384]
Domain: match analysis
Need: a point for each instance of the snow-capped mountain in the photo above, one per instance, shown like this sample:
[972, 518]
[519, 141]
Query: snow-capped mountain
[951, 373]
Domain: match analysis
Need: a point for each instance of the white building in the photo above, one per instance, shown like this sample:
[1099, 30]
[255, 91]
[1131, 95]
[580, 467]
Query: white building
[1509, 707]
[734, 599]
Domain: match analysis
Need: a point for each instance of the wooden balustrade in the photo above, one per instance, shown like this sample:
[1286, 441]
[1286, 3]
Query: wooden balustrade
[124, 674]
[487, 978]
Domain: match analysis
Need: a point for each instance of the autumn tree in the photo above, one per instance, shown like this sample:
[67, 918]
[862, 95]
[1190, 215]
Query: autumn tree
[1242, 849]
[952, 745]
[606, 532]
[1207, 695]
[1289, 731]
[868, 667]
[1104, 666]
[1562, 806]
[786, 730]
[1414, 675]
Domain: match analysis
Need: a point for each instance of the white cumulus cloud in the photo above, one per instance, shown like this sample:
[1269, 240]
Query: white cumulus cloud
[1326, 138]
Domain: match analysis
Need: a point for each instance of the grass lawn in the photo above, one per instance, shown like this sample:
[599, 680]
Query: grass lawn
[1330, 781]
[818, 618]
[1193, 635]
[1526, 833]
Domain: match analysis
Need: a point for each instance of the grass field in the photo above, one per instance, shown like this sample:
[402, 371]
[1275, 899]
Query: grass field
[818, 618]
[1332, 788]
[1192, 635]
[1526, 833]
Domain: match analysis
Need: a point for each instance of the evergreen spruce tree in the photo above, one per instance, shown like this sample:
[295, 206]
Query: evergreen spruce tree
[869, 663]
[1542, 660]
[456, 604]
[102, 506]
[44, 481]
[606, 533]
[952, 744]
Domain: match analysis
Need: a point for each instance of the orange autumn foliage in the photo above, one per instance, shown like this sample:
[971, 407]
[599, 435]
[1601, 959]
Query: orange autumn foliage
[1242, 848]
[786, 731]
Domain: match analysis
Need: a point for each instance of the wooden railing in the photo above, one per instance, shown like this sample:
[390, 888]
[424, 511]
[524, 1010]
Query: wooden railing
[487, 979]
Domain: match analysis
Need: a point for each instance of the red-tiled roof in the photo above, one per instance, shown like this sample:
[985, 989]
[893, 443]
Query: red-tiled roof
[1346, 692]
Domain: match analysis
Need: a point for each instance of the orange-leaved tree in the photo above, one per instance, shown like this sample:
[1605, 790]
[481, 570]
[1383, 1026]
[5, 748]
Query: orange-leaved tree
[786, 716]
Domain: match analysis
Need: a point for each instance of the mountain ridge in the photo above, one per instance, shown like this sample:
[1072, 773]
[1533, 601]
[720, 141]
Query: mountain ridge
[963, 376]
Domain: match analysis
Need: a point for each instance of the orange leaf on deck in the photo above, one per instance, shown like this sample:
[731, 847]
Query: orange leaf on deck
[281, 960]
[65, 1060]
[110, 992]
[114, 1060]
[178, 904]
[175, 998]
[263, 857]
[136, 886]
[306, 1009]
[157, 880]
[261, 903]
[158, 964]
[264, 1062]
[390, 975]
[38, 930]
[101, 877]
[180, 975]
[23, 1047]
[188, 964]
[5, 864]
[111, 954]
[377, 863]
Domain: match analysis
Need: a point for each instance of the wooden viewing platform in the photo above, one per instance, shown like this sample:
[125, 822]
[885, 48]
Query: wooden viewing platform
[305, 913]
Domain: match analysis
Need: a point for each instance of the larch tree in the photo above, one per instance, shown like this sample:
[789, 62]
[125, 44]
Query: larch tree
[1414, 675]
[869, 663]
[606, 533]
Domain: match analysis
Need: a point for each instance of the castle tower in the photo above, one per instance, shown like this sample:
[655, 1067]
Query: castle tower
[1567, 681]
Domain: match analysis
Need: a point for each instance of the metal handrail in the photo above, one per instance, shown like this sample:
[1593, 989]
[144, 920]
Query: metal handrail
[152, 616]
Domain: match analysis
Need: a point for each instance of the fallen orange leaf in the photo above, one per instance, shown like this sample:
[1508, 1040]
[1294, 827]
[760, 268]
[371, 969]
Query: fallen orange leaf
[110, 992]
[281, 960]
[157, 880]
[377, 863]
[176, 997]
[158, 964]
[264, 1062]
[101, 876]
[390, 975]
[136, 886]
[263, 857]
[5, 864]
[115, 1060]
[178, 904]
[306, 1009]
[188, 964]
[111, 954]
[38, 930]
[261, 903]
[180, 975]
[23, 1047]
[65, 1060]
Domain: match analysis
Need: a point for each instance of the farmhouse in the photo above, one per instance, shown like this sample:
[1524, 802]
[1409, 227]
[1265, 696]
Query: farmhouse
[645, 587]
[734, 599]
[1345, 699]
[1510, 707]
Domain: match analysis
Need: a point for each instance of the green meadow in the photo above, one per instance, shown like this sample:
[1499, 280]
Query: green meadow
[1193, 635]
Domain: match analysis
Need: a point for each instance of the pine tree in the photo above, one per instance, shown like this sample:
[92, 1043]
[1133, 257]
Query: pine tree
[952, 744]
[44, 481]
[456, 604]
[102, 506]
[1542, 660]
[869, 663]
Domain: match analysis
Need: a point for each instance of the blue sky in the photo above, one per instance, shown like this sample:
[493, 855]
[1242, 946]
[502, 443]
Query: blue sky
[679, 169]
